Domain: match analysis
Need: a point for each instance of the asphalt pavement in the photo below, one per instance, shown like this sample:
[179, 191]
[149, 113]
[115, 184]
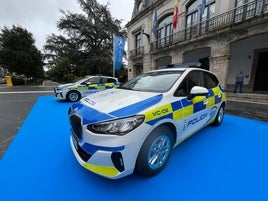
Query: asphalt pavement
[15, 104]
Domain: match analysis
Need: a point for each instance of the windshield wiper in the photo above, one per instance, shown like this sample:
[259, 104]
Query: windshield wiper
[125, 88]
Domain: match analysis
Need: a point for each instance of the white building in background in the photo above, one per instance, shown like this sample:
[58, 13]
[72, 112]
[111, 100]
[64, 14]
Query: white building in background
[225, 36]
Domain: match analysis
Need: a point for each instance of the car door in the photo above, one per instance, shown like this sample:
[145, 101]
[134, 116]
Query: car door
[107, 83]
[92, 84]
[214, 98]
[194, 110]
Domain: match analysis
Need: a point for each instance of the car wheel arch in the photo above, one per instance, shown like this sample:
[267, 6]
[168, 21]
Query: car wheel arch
[218, 121]
[171, 129]
[73, 91]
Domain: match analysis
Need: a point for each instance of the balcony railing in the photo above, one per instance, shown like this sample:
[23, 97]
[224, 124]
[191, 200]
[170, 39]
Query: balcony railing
[234, 16]
[138, 52]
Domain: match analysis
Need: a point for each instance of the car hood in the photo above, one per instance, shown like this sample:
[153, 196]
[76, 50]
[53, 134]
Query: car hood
[65, 85]
[114, 103]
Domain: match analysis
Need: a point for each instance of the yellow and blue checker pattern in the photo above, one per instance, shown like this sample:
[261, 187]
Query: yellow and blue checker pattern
[94, 87]
[102, 86]
[183, 108]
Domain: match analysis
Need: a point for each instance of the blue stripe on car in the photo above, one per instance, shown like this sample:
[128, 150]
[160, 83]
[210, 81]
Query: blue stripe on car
[137, 107]
[91, 149]
[89, 114]
[199, 106]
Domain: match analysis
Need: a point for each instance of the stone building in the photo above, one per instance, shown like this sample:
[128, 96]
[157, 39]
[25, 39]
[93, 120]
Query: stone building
[223, 35]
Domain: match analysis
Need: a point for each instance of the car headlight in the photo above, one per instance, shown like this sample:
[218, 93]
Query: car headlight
[117, 126]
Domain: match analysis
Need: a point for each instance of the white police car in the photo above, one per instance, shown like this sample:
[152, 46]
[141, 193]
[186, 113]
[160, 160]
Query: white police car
[74, 91]
[136, 126]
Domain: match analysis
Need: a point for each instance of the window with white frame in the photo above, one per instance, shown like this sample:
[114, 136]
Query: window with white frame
[165, 30]
[138, 42]
[194, 13]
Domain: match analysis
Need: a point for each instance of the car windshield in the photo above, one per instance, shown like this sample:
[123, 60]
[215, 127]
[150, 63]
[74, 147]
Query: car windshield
[160, 81]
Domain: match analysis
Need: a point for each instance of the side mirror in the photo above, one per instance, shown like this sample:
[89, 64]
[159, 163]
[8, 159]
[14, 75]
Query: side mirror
[197, 91]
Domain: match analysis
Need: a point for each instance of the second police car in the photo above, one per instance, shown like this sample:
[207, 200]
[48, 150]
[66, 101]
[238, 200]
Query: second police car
[75, 91]
[136, 126]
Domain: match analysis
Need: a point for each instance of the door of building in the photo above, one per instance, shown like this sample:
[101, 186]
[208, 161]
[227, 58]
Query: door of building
[261, 78]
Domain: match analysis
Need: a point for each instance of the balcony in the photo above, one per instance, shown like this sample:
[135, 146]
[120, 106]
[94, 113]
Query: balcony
[237, 15]
[136, 53]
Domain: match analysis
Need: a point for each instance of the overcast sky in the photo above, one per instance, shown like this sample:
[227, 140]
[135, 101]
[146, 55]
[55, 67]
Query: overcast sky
[39, 16]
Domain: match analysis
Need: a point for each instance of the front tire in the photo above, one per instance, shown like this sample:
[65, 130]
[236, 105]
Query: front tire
[73, 96]
[155, 152]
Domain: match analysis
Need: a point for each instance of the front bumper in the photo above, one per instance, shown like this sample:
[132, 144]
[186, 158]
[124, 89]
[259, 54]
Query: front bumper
[107, 162]
[59, 94]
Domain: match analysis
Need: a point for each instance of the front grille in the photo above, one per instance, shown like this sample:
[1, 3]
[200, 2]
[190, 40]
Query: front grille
[76, 126]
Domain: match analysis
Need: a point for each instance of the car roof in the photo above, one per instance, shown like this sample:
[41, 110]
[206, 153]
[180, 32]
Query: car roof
[177, 69]
[89, 76]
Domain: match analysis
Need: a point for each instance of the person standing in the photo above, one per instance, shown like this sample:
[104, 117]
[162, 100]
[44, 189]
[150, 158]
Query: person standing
[239, 81]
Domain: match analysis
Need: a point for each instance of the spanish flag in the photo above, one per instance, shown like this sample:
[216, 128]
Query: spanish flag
[175, 15]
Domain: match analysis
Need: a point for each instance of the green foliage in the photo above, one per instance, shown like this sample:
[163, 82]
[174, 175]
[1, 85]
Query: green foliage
[88, 40]
[61, 71]
[18, 53]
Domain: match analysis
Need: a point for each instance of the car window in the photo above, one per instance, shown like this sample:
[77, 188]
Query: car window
[107, 80]
[103, 80]
[92, 80]
[210, 80]
[194, 78]
[160, 81]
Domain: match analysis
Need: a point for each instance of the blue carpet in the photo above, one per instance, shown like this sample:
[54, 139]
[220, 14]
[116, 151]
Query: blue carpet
[225, 163]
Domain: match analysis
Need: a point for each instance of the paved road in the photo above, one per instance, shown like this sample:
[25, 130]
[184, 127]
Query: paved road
[15, 104]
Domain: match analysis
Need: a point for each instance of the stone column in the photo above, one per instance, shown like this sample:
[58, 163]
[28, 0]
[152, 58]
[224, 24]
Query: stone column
[220, 60]
[177, 56]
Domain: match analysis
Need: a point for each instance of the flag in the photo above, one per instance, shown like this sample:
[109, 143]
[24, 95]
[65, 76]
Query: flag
[203, 6]
[118, 46]
[155, 25]
[175, 15]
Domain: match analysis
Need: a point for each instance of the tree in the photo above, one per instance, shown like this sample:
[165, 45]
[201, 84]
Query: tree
[61, 72]
[88, 40]
[18, 53]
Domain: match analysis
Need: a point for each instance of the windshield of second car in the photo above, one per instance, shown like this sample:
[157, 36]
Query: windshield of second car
[160, 81]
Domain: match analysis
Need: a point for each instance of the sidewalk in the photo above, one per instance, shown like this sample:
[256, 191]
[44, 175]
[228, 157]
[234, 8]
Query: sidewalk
[49, 83]
[250, 105]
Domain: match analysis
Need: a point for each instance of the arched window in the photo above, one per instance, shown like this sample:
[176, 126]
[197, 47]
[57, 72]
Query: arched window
[196, 12]
[164, 31]
[138, 44]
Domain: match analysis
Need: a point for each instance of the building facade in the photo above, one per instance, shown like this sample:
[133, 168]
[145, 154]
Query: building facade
[223, 35]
